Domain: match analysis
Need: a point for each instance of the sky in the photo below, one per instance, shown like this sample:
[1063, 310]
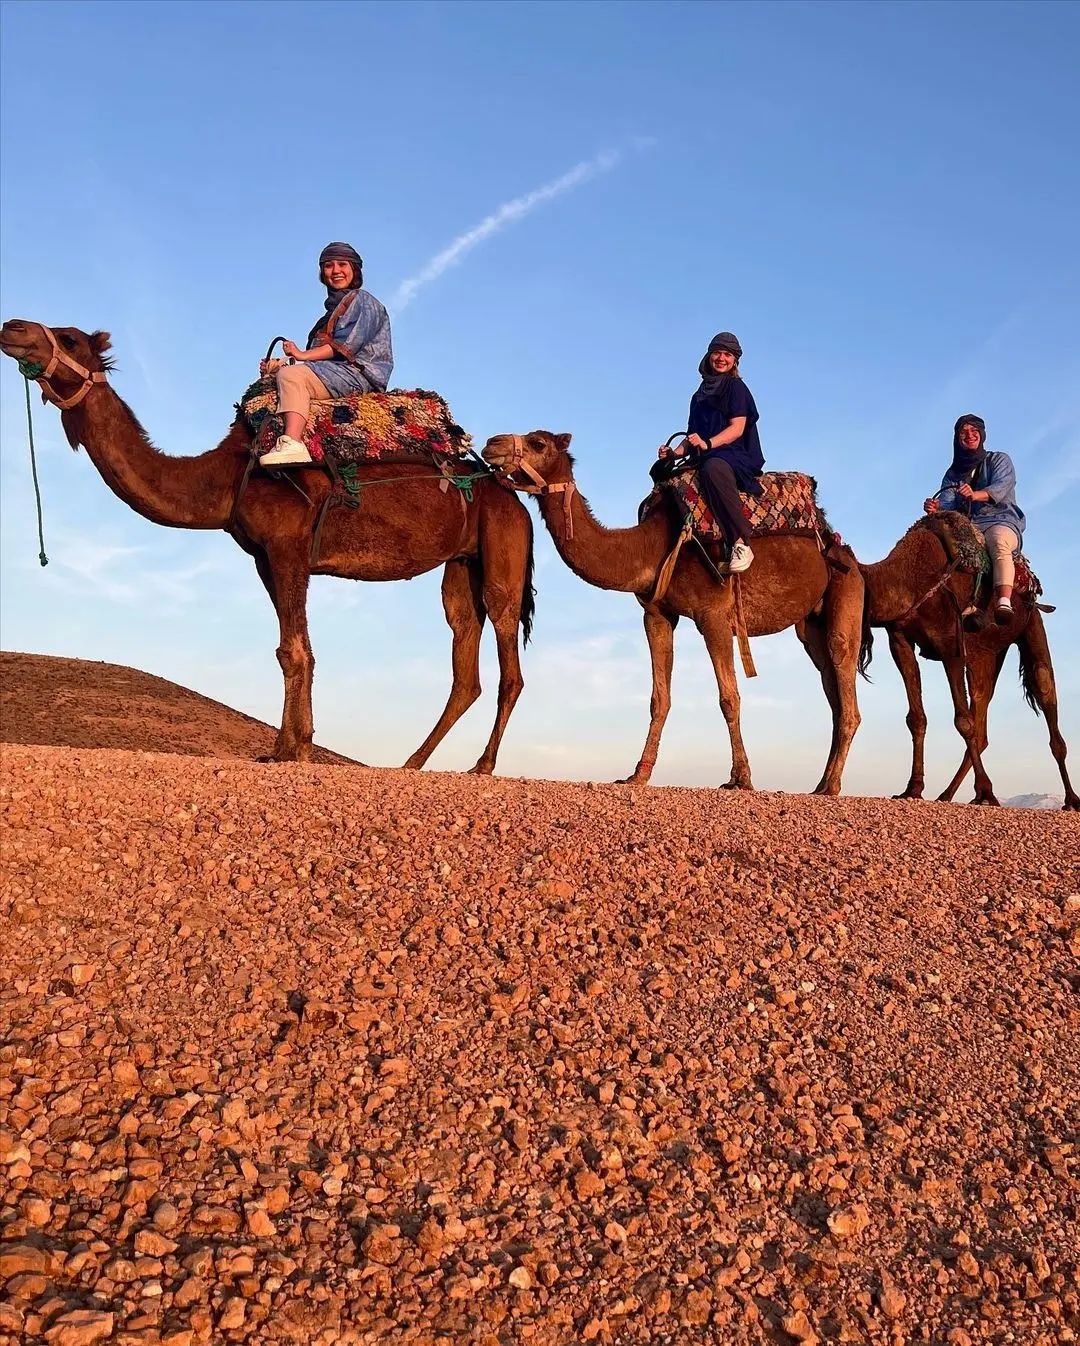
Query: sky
[559, 204]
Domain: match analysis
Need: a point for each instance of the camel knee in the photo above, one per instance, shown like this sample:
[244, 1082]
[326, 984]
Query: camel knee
[295, 657]
[964, 726]
[916, 722]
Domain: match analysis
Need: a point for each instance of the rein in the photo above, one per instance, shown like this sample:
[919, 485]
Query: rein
[539, 486]
[948, 573]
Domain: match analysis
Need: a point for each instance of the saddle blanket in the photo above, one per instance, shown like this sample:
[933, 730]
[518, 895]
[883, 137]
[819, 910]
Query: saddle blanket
[966, 545]
[362, 427]
[787, 506]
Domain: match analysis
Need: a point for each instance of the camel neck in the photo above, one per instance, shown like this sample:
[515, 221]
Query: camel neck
[913, 566]
[177, 492]
[624, 559]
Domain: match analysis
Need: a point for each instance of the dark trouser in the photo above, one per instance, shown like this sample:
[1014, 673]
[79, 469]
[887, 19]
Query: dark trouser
[721, 493]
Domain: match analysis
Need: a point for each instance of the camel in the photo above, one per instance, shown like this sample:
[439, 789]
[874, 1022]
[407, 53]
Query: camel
[791, 583]
[918, 597]
[407, 529]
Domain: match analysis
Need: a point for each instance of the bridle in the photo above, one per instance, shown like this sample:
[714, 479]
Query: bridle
[517, 463]
[59, 357]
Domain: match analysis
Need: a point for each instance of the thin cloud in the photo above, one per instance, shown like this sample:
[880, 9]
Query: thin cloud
[508, 213]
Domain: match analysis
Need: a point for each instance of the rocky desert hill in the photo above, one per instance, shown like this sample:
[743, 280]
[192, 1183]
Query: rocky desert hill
[326, 1054]
[79, 703]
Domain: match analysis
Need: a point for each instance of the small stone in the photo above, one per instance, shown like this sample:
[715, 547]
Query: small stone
[82, 973]
[16, 1258]
[259, 1224]
[165, 1216]
[520, 1278]
[797, 1325]
[849, 1221]
[80, 1327]
[233, 1314]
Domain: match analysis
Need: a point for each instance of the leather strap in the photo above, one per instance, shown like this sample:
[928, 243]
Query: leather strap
[60, 357]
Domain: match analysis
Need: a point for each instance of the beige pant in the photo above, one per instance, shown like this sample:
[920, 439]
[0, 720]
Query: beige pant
[298, 387]
[1001, 542]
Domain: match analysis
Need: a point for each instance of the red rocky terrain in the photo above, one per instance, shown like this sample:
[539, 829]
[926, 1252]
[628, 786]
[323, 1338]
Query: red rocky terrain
[323, 1054]
[78, 703]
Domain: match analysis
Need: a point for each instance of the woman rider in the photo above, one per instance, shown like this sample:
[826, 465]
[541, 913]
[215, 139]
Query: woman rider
[348, 351]
[983, 486]
[722, 427]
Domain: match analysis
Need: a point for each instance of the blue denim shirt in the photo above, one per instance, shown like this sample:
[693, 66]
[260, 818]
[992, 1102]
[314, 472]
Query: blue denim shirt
[997, 476]
[363, 356]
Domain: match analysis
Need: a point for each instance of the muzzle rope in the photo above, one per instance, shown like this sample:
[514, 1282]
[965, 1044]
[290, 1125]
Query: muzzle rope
[32, 371]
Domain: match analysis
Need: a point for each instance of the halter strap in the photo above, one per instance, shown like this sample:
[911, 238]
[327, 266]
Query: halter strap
[539, 487]
[60, 357]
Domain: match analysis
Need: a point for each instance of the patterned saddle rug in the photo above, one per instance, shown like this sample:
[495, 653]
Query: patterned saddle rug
[362, 427]
[787, 506]
[965, 545]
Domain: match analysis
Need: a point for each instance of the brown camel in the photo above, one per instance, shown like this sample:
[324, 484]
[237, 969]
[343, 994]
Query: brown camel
[918, 598]
[918, 595]
[790, 584]
[404, 530]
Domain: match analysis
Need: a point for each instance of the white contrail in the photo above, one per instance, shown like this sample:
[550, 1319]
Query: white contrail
[506, 214]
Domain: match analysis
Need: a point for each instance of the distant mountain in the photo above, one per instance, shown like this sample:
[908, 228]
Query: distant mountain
[1034, 802]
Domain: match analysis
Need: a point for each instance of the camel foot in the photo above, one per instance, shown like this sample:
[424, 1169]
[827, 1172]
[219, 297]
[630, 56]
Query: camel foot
[635, 779]
[1072, 804]
[482, 768]
[302, 753]
[414, 763]
[912, 792]
[988, 800]
[734, 784]
[827, 788]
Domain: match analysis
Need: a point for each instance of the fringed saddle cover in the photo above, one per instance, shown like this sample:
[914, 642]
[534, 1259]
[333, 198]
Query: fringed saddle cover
[787, 506]
[363, 427]
[966, 546]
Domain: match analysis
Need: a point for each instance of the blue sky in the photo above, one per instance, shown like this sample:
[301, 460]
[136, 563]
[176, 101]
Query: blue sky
[881, 200]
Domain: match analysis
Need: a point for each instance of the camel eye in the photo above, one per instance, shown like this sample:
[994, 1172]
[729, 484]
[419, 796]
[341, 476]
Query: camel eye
[68, 341]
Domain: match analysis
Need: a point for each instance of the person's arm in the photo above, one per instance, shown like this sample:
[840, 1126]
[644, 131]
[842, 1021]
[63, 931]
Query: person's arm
[319, 353]
[1000, 482]
[945, 498]
[729, 434]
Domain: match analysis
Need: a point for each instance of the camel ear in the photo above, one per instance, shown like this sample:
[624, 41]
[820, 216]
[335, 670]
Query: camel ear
[563, 442]
[100, 342]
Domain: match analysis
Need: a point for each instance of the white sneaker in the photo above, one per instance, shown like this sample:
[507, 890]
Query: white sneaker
[287, 452]
[742, 558]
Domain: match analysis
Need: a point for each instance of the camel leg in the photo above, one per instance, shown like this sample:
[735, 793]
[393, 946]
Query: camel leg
[287, 585]
[503, 604]
[1038, 671]
[964, 721]
[464, 608]
[903, 653]
[660, 633]
[836, 659]
[718, 641]
[983, 670]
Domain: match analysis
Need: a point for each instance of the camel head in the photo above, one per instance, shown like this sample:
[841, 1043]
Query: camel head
[65, 361]
[530, 460]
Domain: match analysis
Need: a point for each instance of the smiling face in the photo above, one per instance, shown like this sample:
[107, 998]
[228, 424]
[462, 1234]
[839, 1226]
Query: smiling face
[338, 274]
[970, 437]
[721, 362]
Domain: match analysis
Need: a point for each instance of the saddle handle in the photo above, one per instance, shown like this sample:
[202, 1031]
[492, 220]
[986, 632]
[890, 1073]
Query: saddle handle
[666, 450]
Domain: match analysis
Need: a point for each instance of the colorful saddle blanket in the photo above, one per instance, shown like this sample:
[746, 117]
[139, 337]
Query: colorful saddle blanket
[787, 506]
[363, 426]
[965, 545]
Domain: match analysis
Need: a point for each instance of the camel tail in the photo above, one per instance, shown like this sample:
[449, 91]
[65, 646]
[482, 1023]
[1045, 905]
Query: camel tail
[1027, 677]
[528, 593]
[866, 645]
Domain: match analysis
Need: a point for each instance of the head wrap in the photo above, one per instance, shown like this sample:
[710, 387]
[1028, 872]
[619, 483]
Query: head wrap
[343, 252]
[711, 382]
[967, 460]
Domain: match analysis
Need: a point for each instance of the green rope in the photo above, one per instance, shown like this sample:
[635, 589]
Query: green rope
[349, 479]
[25, 367]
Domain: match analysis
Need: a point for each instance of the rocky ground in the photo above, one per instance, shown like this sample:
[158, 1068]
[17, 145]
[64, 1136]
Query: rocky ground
[79, 703]
[323, 1054]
